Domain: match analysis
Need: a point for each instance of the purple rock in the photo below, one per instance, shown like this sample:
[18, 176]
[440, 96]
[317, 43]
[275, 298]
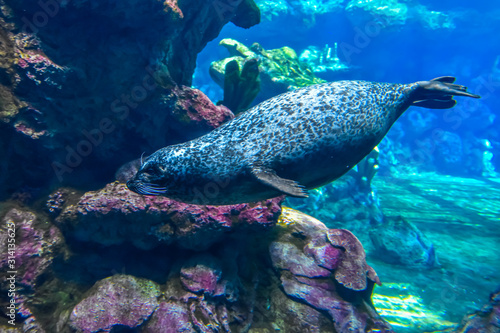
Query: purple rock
[324, 254]
[114, 215]
[202, 276]
[193, 106]
[352, 271]
[117, 300]
[169, 317]
[305, 255]
[288, 257]
[34, 245]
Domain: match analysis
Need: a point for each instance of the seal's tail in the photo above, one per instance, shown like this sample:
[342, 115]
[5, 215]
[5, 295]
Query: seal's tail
[438, 93]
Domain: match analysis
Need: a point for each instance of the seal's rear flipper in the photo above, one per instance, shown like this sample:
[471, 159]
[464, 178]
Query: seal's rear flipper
[270, 178]
[438, 93]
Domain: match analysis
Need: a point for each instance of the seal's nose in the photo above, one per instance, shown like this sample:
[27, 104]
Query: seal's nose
[131, 186]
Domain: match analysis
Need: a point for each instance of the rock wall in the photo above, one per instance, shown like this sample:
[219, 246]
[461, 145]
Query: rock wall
[124, 261]
[86, 86]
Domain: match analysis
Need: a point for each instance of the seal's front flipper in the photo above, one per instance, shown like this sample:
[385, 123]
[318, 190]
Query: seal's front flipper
[270, 178]
[438, 93]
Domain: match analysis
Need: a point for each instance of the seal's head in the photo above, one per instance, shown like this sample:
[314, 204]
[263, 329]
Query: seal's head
[150, 179]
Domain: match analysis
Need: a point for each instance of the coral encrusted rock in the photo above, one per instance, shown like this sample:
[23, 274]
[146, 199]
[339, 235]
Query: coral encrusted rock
[30, 245]
[326, 269]
[485, 320]
[234, 268]
[114, 215]
[118, 300]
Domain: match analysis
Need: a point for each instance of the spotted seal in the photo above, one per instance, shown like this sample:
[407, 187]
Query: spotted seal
[287, 144]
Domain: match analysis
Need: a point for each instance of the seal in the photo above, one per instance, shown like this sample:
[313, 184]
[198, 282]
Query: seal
[287, 144]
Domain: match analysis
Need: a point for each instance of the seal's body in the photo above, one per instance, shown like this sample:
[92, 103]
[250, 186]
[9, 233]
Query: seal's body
[292, 142]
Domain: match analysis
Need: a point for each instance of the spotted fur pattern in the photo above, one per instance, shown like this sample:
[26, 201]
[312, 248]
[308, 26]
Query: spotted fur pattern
[311, 135]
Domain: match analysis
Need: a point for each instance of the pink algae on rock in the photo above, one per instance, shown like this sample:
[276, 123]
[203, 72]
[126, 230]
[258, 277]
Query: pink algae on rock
[327, 270]
[34, 246]
[193, 106]
[118, 300]
[172, 6]
[114, 215]
[353, 269]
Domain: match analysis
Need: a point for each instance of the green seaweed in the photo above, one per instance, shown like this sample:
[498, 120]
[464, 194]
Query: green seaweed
[280, 69]
[241, 87]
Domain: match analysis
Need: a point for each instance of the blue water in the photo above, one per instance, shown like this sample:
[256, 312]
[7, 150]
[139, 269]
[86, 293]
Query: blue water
[463, 142]
[404, 53]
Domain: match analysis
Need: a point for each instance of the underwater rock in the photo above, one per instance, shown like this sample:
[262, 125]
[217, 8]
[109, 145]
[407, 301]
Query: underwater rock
[348, 203]
[60, 199]
[352, 269]
[398, 241]
[485, 320]
[120, 300]
[114, 215]
[393, 13]
[247, 14]
[280, 69]
[169, 317]
[36, 244]
[254, 277]
[332, 274]
[202, 275]
[63, 110]
[192, 107]
[34, 248]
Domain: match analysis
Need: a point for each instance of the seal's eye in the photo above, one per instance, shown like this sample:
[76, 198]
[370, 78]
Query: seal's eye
[151, 170]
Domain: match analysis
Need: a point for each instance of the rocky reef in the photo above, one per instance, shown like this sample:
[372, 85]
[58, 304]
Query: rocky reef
[71, 100]
[151, 264]
[115, 215]
[399, 242]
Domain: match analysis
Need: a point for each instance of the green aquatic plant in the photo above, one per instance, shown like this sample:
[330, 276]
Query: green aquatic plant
[280, 69]
[241, 86]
